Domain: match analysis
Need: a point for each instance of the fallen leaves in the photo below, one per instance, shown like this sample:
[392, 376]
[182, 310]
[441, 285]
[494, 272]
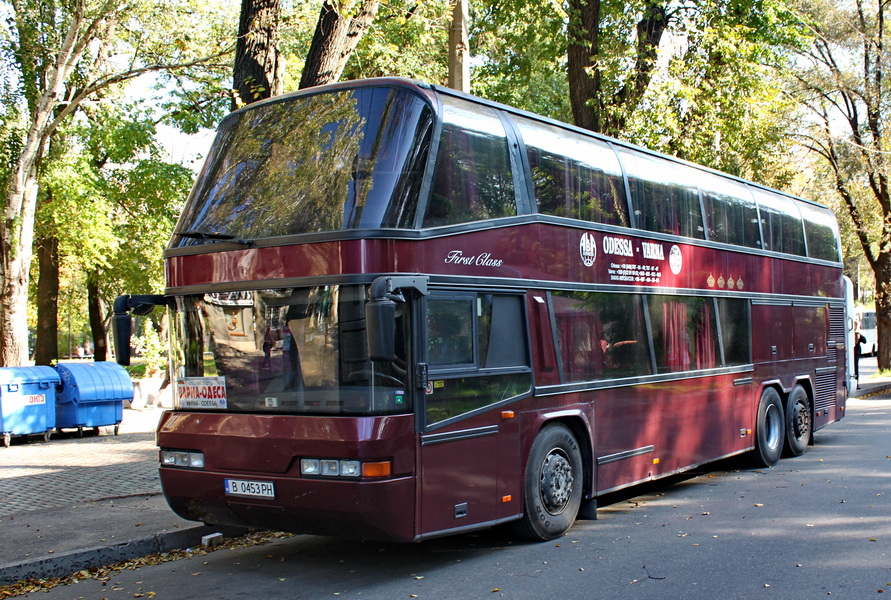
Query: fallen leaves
[104, 574]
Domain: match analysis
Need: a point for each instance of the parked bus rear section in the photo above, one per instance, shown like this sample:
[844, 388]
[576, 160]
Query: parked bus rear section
[400, 312]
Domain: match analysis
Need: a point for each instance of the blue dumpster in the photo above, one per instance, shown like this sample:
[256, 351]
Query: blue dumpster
[92, 395]
[27, 401]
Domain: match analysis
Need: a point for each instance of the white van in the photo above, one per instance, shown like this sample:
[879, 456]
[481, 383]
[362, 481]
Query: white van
[867, 319]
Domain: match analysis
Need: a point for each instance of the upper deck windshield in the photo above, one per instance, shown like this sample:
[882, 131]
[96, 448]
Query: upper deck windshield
[289, 350]
[346, 159]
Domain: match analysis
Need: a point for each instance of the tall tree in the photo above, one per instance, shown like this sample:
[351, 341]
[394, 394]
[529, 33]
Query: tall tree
[47, 330]
[519, 49]
[259, 64]
[459, 47]
[340, 26]
[61, 54]
[611, 59]
[406, 39]
[720, 100]
[845, 91]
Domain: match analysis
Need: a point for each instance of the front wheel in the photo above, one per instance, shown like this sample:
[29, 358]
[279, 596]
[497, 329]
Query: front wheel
[798, 422]
[553, 484]
[769, 429]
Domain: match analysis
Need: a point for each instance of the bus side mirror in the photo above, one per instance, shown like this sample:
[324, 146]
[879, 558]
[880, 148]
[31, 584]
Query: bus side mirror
[121, 331]
[380, 312]
[121, 325]
[380, 325]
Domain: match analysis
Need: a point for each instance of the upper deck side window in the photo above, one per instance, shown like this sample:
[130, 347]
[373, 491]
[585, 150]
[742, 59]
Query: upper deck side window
[473, 179]
[573, 175]
[344, 159]
[781, 226]
[664, 195]
[730, 212]
[821, 232]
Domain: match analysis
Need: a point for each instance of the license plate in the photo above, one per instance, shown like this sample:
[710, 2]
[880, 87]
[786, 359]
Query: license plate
[253, 489]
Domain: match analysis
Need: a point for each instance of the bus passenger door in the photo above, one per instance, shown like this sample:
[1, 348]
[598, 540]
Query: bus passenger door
[478, 368]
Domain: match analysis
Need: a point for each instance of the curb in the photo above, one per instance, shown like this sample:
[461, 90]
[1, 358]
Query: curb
[77, 560]
[867, 390]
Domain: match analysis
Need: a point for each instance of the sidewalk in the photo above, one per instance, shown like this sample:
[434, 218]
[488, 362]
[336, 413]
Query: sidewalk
[871, 383]
[72, 504]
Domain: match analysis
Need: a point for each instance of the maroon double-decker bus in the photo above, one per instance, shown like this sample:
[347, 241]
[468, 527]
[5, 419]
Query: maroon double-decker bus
[400, 312]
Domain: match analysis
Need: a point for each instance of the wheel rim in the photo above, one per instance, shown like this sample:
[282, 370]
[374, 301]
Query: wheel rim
[556, 481]
[802, 420]
[773, 425]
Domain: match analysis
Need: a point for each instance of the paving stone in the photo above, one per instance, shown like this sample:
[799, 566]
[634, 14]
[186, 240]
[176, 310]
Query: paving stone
[36, 475]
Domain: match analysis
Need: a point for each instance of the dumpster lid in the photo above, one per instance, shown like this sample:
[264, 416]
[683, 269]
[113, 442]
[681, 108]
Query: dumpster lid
[28, 375]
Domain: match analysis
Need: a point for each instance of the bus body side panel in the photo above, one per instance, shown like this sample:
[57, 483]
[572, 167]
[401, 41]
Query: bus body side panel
[649, 431]
[772, 340]
[268, 448]
[469, 473]
[506, 253]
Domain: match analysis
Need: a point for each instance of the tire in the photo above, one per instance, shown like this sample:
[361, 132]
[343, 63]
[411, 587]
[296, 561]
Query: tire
[769, 430]
[552, 485]
[798, 422]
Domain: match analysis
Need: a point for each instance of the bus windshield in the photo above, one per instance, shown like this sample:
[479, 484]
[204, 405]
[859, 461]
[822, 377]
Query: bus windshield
[350, 159]
[288, 350]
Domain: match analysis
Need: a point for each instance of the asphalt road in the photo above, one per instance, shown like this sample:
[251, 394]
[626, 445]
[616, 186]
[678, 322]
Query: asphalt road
[815, 526]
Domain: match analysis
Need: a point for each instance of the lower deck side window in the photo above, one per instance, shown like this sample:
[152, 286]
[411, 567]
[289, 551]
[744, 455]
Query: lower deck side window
[616, 335]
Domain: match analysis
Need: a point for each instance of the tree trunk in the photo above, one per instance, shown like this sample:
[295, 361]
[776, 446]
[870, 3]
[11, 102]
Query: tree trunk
[46, 347]
[16, 240]
[259, 66]
[96, 311]
[590, 108]
[335, 38]
[582, 54]
[459, 48]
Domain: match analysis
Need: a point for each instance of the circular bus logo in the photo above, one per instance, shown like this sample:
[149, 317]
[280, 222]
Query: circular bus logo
[675, 260]
[588, 249]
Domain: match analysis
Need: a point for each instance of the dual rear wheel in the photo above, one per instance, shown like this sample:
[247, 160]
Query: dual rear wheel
[782, 427]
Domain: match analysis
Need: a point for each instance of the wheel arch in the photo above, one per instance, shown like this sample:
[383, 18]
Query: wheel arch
[808, 385]
[579, 425]
[777, 386]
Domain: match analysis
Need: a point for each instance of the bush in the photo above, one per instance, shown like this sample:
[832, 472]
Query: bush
[152, 350]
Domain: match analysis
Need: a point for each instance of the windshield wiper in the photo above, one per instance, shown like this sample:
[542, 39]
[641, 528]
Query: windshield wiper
[216, 237]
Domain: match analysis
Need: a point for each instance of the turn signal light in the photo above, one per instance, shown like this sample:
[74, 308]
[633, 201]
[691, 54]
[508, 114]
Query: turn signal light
[376, 469]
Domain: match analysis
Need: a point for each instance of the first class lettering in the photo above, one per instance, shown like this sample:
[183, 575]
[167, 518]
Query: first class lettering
[457, 257]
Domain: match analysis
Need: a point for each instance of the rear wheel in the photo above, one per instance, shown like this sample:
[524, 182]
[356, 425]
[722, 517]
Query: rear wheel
[553, 484]
[769, 429]
[798, 422]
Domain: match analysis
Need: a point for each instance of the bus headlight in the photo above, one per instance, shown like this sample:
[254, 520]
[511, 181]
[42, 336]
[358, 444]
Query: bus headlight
[348, 469]
[181, 458]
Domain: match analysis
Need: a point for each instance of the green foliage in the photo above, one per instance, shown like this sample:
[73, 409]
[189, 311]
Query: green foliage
[181, 31]
[720, 101]
[152, 350]
[111, 201]
[406, 39]
[519, 49]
